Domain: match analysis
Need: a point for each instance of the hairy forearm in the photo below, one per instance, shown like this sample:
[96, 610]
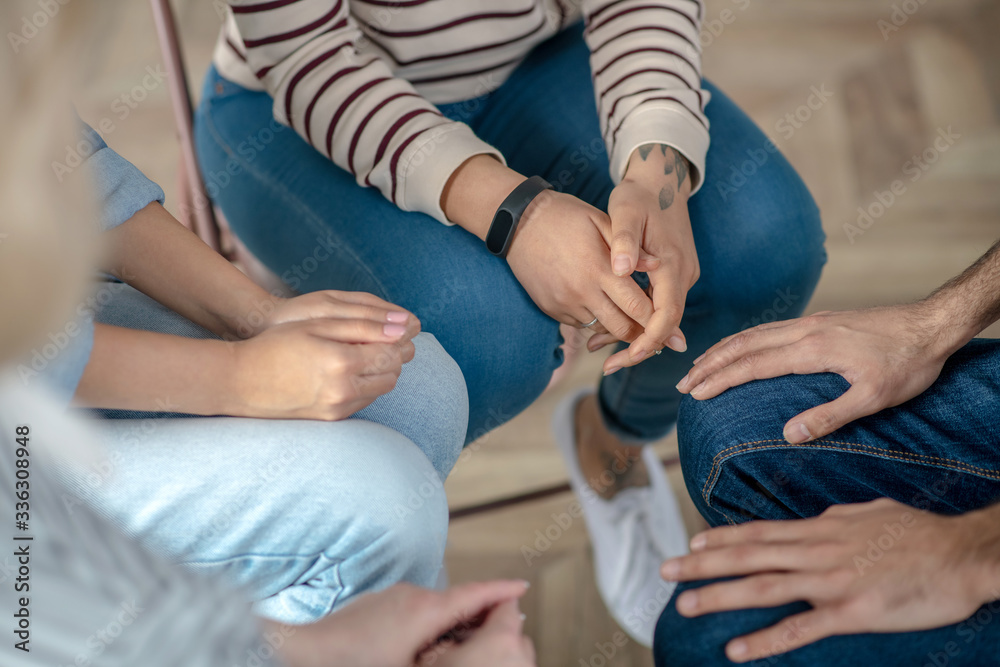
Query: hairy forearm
[161, 258]
[141, 370]
[969, 303]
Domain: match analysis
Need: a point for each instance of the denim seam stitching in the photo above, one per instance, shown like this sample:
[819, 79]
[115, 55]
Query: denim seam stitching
[311, 218]
[911, 458]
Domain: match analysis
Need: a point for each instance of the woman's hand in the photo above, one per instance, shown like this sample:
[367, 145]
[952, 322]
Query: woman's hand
[651, 232]
[498, 642]
[889, 355]
[332, 304]
[560, 256]
[871, 567]
[324, 369]
[398, 626]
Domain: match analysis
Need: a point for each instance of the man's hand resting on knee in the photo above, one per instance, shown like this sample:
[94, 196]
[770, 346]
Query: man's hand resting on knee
[934, 570]
[889, 355]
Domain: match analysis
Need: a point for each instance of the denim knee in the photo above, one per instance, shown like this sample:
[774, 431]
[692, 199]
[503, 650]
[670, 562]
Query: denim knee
[429, 405]
[680, 641]
[762, 244]
[732, 448]
[401, 507]
[342, 526]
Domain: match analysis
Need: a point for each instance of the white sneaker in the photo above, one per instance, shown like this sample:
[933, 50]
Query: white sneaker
[632, 534]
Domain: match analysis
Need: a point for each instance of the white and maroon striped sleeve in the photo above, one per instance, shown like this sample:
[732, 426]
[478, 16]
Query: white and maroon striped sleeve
[646, 63]
[350, 107]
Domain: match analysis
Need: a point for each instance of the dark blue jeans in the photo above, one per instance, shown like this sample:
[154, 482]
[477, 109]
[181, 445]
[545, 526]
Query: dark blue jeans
[939, 452]
[759, 238]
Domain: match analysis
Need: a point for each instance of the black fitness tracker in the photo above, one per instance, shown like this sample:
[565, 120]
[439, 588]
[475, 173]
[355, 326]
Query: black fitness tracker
[509, 214]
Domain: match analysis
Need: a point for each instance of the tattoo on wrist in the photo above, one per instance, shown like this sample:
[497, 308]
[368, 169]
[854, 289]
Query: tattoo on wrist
[674, 162]
[666, 197]
[682, 168]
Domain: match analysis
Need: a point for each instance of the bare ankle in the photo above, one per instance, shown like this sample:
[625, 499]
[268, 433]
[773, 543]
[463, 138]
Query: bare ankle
[608, 464]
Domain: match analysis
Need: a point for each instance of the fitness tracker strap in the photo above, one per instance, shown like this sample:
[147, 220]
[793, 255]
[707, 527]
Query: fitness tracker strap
[509, 214]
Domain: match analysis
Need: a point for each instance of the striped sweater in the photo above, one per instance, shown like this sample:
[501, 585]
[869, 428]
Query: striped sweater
[358, 79]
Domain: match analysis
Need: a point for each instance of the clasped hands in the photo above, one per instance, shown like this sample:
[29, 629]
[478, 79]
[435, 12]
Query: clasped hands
[576, 262]
[323, 355]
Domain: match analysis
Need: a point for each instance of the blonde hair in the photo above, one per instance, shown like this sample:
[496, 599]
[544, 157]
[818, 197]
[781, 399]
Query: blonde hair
[47, 233]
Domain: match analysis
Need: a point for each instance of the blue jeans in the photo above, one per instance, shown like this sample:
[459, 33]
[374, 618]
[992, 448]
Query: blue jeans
[937, 452]
[759, 238]
[301, 516]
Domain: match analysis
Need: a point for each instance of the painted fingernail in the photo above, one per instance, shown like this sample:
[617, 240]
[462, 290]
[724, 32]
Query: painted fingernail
[683, 384]
[621, 265]
[697, 390]
[796, 433]
[697, 542]
[737, 648]
[613, 369]
[394, 330]
[397, 316]
[688, 601]
[677, 344]
[670, 569]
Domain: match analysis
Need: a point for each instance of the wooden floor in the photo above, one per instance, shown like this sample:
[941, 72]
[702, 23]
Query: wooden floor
[887, 96]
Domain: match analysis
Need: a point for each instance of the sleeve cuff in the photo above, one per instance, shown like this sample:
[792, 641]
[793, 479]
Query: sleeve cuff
[662, 124]
[426, 167]
[120, 188]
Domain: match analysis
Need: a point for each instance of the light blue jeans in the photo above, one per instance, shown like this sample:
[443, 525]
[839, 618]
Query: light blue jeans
[299, 515]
